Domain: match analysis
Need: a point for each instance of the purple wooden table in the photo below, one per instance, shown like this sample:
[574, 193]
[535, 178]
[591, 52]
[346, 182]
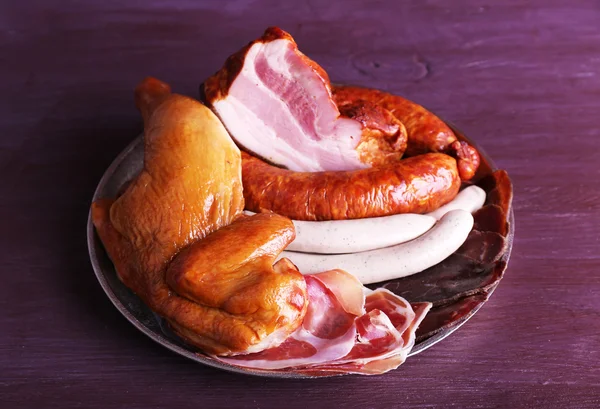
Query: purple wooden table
[521, 78]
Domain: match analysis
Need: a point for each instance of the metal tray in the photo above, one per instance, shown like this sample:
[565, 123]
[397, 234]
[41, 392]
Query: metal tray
[128, 164]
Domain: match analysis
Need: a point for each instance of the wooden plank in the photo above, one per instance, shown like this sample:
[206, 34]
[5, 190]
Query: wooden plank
[521, 78]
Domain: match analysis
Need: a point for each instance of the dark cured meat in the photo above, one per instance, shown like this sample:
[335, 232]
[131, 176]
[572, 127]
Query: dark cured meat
[491, 218]
[483, 247]
[449, 315]
[464, 280]
[452, 279]
[499, 189]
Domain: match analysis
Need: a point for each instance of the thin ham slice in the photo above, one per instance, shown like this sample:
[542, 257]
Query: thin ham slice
[388, 358]
[277, 104]
[344, 333]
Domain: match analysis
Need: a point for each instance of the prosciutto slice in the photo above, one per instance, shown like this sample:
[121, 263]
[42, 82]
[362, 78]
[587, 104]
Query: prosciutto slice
[347, 329]
[277, 104]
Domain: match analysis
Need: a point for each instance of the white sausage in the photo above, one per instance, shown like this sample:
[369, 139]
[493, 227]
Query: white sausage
[470, 199]
[351, 236]
[397, 261]
[356, 235]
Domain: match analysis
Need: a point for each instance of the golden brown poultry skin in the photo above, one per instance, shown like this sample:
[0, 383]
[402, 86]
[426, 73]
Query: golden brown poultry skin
[190, 187]
[232, 270]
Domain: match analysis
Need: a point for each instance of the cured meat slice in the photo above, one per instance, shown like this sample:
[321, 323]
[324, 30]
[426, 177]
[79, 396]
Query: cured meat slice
[499, 190]
[450, 315]
[456, 277]
[491, 218]
[277, 104]
[347, 288]
[386, 360]
[334, 339]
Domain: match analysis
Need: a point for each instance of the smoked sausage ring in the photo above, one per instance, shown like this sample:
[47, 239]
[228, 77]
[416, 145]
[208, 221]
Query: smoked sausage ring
[419, 184]
[425, 131]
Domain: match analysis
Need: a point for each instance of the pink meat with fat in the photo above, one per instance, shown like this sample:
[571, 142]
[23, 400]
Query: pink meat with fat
[277, 104]
[347, 329]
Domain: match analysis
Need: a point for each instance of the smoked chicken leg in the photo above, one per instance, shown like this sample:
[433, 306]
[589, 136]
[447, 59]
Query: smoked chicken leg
[190, 188]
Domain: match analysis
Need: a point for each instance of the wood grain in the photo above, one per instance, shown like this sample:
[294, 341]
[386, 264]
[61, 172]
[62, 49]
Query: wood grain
[521, 78]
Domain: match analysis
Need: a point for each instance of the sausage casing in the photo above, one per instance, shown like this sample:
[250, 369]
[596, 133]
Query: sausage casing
[419, 184]
[425, 131]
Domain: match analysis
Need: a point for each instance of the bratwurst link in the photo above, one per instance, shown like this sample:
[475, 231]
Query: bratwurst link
[425, 131]
[419, 184]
